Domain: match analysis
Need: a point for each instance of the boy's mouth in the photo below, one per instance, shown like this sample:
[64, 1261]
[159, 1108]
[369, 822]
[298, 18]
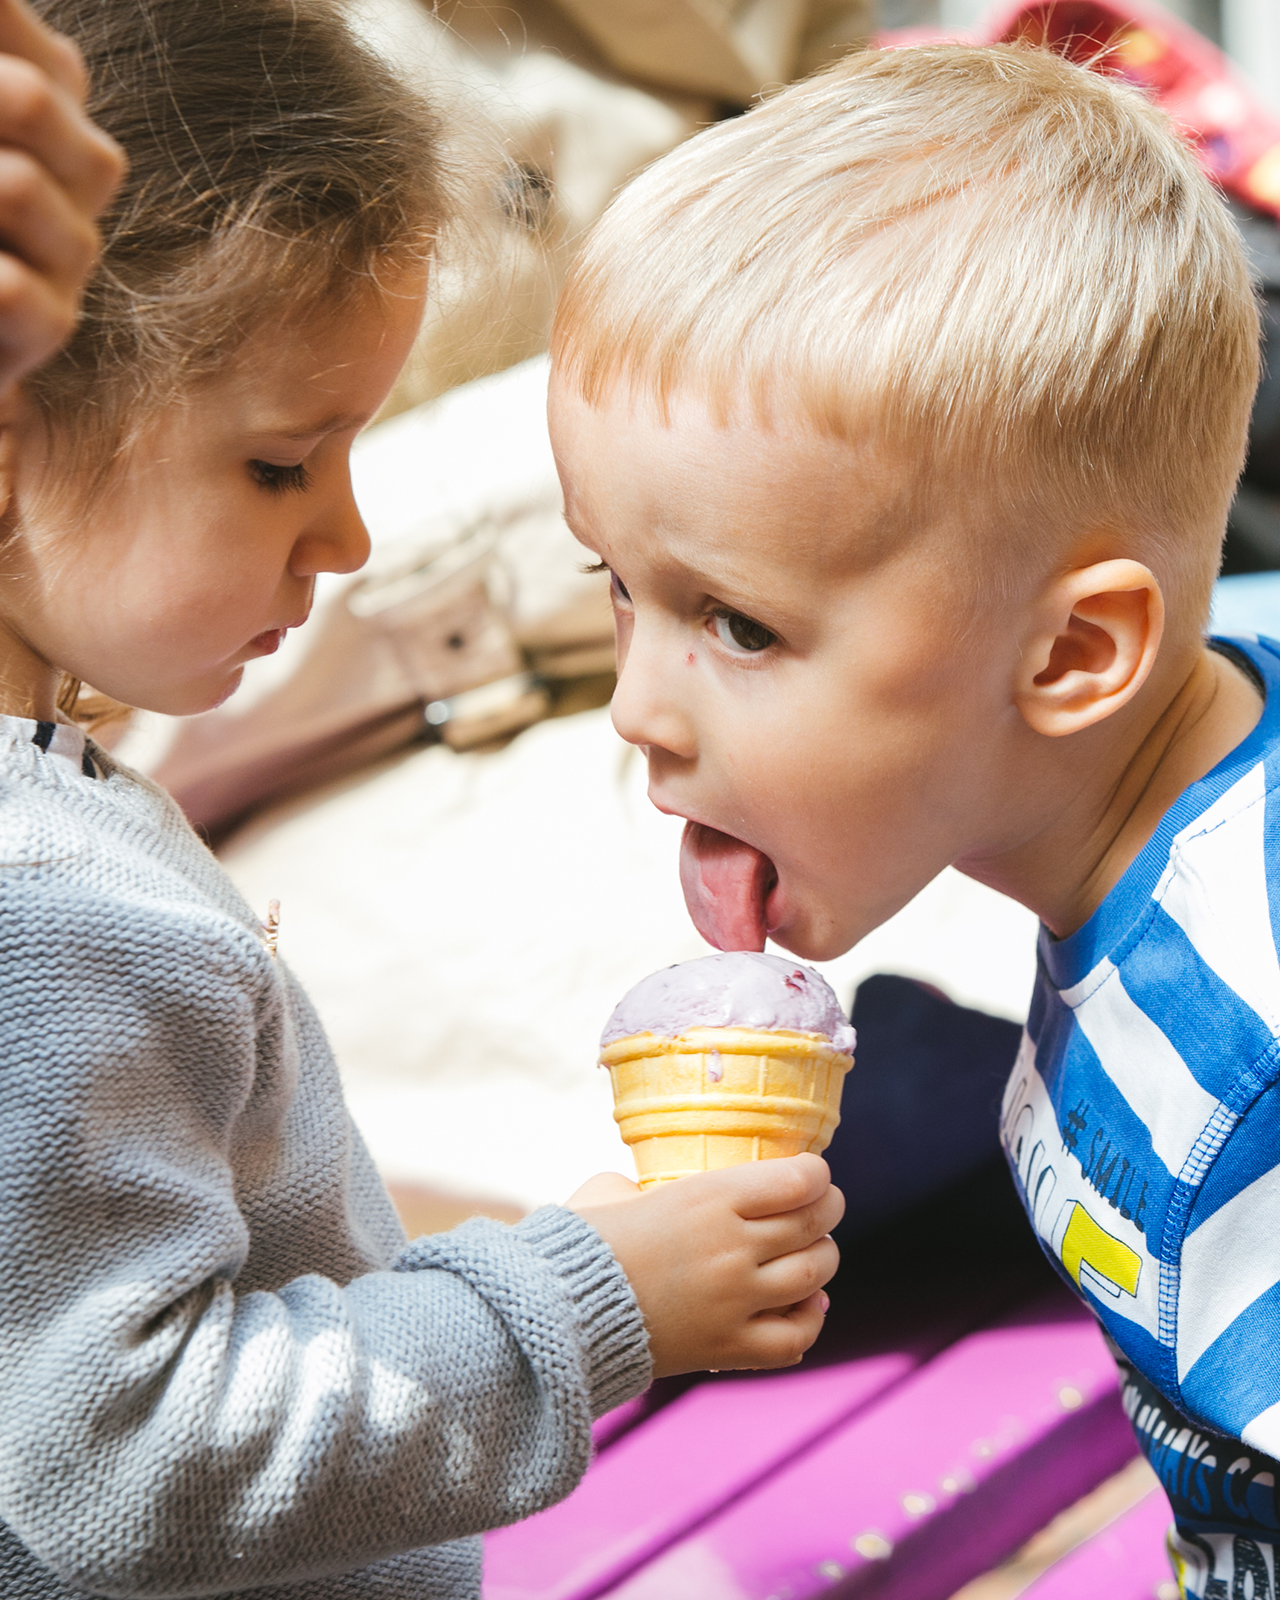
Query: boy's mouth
[726, 886]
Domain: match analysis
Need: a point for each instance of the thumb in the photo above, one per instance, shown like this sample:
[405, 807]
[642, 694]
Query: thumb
[605, 1189]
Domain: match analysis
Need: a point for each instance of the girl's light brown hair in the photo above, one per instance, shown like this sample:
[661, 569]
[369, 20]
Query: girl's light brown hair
[275, 165]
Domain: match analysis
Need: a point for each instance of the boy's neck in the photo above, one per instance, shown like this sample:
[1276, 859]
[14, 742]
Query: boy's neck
[1065, 871]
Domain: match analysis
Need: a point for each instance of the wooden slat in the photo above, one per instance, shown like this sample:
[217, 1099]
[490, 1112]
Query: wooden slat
[1100, 1508]
[610, 1427]
[946, 1475]
[673, 1470]
[1126, 1561]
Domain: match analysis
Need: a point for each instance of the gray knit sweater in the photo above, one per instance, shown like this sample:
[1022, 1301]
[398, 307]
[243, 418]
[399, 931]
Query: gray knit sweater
[222, 1370]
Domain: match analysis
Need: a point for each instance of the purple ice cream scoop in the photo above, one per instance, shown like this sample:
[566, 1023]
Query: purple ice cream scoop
[738, 989]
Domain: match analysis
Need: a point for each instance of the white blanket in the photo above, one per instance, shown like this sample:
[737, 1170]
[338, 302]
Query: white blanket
[466, 923]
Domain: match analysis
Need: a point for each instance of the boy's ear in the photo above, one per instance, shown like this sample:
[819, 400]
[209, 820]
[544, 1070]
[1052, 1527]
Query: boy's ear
[1090, 648]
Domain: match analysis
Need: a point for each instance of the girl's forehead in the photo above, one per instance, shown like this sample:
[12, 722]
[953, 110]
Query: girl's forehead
[319, 373]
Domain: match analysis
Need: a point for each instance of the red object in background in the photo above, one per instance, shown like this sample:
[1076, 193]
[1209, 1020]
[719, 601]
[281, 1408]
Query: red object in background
[1236, 138]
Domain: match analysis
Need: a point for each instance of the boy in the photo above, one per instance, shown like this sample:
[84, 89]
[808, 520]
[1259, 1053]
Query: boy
[906, 411]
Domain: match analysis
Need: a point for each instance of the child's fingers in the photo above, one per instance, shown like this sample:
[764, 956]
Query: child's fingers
[769, 1188]
[779, 1236]
[23, 34]
[793, 1278]
[780, 1338]
[34, 321]
[39, 223]
[38, 116]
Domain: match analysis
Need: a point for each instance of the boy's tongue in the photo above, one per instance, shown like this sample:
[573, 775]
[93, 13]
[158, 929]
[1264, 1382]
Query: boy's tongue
[726, 884]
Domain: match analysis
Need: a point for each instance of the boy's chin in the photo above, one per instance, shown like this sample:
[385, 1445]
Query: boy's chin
[817, 927]
[811, 937]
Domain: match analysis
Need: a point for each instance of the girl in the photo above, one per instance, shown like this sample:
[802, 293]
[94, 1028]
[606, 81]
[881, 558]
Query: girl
[221, 1367]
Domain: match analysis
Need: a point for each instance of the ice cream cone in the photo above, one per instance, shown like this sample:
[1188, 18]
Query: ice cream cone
[716, 1097]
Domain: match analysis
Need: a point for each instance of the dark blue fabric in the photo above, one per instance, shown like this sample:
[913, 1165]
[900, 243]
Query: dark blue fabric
[921, 1106]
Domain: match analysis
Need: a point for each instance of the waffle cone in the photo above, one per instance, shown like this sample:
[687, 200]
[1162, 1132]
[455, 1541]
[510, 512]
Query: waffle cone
[716, 1097]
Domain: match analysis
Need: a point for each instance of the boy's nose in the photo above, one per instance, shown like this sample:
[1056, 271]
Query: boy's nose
[644, 710]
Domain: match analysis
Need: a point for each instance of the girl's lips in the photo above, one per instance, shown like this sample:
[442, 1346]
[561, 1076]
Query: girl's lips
[268, 643]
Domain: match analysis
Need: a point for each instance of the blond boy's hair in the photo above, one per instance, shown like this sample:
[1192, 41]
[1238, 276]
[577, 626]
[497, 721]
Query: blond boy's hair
[987, 260]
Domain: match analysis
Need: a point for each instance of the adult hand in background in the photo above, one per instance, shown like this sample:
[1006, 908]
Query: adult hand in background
[57, 172]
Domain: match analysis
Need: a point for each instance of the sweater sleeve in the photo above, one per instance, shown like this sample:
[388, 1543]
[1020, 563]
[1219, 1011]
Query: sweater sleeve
[170, 1431]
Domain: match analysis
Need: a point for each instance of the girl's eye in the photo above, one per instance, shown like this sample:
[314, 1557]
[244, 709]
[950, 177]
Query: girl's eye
[741, 635]
[617, 588]
[278, 479]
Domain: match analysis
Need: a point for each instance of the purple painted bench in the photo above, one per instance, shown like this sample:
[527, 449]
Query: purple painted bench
[1126, 1561]
[672, 1471]
[899, 1472]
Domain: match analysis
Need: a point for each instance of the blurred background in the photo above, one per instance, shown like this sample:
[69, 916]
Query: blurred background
[425, 777]
[1248, 30]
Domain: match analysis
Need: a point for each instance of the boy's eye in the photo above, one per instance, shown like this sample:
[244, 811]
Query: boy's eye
[278, 479]
[741, 634]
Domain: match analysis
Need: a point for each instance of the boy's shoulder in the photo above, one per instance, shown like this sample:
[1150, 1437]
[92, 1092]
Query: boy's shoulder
[1202, 958]
[1165, 1007]
[1189, 939]
[1147, 1094]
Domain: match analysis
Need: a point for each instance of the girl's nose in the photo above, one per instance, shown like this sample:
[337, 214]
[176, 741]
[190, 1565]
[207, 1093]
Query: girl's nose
[336, 541]
[645, 710]
[349, 542]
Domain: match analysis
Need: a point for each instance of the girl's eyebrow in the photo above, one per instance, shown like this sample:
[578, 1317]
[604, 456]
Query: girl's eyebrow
[336, 422]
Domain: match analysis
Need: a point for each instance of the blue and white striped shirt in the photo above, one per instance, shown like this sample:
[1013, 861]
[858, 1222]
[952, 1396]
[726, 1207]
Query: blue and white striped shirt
[1142, 1121]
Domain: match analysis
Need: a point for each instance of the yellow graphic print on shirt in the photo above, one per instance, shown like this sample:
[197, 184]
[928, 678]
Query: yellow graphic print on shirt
[1087, 1244]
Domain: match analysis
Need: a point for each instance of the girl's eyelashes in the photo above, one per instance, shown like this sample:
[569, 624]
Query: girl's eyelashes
[280, 480]
[740, 634]
[616, 585]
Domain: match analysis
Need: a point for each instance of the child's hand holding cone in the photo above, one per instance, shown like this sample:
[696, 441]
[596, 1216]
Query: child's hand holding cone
[727, 1075]
[727, 1266]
